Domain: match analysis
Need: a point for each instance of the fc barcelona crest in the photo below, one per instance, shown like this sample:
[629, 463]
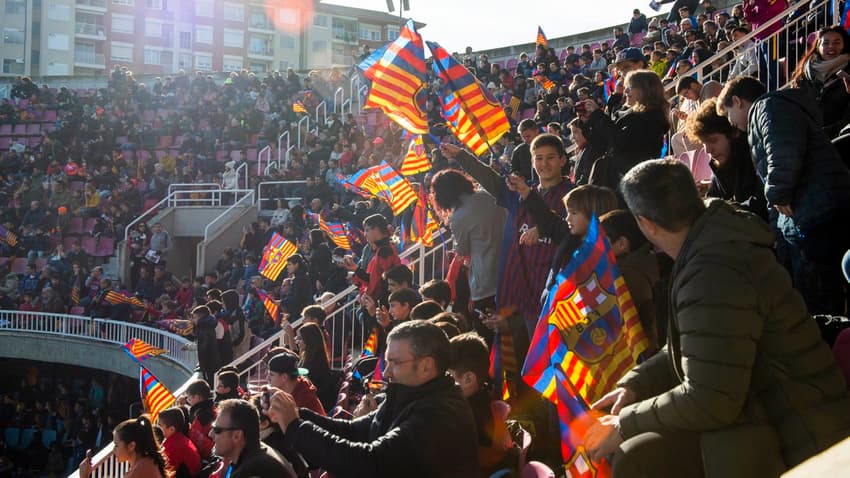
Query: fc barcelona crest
[589, 320]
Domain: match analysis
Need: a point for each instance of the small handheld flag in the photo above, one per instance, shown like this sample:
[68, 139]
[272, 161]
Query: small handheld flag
[155, 396]
[298, 107]
[140, 350]
[271, 306]
[541, 38]
[277, 252]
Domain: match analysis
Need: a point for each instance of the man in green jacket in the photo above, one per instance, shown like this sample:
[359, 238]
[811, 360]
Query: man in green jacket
[745, 385]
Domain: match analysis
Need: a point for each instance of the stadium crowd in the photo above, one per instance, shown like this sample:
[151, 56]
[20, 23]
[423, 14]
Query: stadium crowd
[752, 251]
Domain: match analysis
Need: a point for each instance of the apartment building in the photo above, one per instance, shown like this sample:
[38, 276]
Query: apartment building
[89, 37]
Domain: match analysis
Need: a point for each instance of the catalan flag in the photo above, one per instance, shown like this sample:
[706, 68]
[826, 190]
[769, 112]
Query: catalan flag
[75, 294]
[415, 161]
[541, 38]
[115, 298]
[588, 336]
[397, 71]
[277, 251]
[140, 350]
[497, 372]
[544, 81]
[513, 104]
[385, 183]
[338, 234]
[8, 236]
[423, 225]
[473, 115]
[298, 107]
[271, 306]
[370, 348]
[155, 396]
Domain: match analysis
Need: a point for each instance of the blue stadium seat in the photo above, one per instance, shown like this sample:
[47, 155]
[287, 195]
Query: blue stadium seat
[48, 437]
[12, 437]
[26, 437]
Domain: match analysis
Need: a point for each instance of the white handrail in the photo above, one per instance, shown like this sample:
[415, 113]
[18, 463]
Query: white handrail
[288, 156]
[342, 114]
[103, 330]
[270, 183]
[280, 149]
[303, 119]
[324, 107]
[246, 194]
[337, 104]
[360, 93]
[267, 151]
[244, 168]
[187, 187]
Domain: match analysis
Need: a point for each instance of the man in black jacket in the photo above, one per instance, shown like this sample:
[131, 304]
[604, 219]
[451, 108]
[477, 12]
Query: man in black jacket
[236, 432]
[424, 427]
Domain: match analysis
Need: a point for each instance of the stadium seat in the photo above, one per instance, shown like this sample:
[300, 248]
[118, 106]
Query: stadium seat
[40, 263]
[33, 129]
[23, 103]
[700, 167]
[5, 129]
[253, 154]
[165, 141]
[148, 115]
[4, 261]
[34, 141]
[26, 437]
[89, 244]
[48, 437]
[563, 55]
[12, 437]
[235, 155]
[105, 247]
[48, 127]
[68, 242]
[49, 116]
[76, 224]
[143, 155]
[19, 265]
[128, 155]
[5, 142]
[221, 155]
[159, 154]
[19, 129]
[149, 203]
[89, 224]
[637, 39]
[78, 310]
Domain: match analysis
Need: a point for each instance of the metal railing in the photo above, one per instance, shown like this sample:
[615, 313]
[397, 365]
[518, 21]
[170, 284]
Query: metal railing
[91, 29]
[339, 93]
[267, 154]
[323, 106]
[788, 44]
[104, 330]
[246, 200]
[243, 170]
[280, 150]
[286, 197]
[306, 128]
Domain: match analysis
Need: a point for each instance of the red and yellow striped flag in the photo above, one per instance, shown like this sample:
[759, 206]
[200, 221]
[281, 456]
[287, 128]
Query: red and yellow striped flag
[271, 306]
[140, 350]
[541, 37]
[544, 81]
[155, 396]
[416, 161]
[116, 298]
[275, 256]
[370, 348]
[298, 107]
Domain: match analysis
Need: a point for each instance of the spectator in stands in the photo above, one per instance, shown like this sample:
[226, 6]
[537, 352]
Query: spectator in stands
[237, 440]
[469, 368]
[227, 385]
[733, 177]
[621, 39]
[672, 415]
[438, 291]
[422, 406]
[637, 135]
[805, 179]
[584, 155]
[182, 456]
[286, 375]
[638, 23]
[376, 259]
[746, 55]
[313, 353]
[136, 444]
[237, 324]
[160, 243]
[202, 412]
[475, 219]
[521, 157]
[824, 71]
[209, 359]
[630, 59]
[296, 290]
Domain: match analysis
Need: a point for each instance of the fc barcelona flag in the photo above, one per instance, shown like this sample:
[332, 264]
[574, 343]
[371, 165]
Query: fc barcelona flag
[8, 236]
[473, 115]
[385, 183]
[155, 396]
[370, 348]
[271, 306]
[541, 38]
[415, 161]
[397, 71]
[588, 336]
[140, 350]
[275, 256]
[115, 298]
[298, 107]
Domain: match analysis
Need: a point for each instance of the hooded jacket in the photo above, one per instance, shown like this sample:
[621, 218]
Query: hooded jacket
[739, 336]
[796, 160]
[240, 333]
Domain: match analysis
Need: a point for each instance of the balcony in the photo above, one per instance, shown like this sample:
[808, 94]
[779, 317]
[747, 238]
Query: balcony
[92, 5]
[92, 31]
[262, 53]
[260, 24]
[89, 59]
[346, 36]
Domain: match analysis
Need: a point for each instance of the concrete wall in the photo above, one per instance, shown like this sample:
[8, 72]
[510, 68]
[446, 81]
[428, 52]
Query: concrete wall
[87, 353]
[228, 236]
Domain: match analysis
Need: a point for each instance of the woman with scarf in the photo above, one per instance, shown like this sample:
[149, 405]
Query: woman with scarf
[824, 71]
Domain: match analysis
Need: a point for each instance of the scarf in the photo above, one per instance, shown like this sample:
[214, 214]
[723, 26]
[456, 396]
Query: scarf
[819, 71]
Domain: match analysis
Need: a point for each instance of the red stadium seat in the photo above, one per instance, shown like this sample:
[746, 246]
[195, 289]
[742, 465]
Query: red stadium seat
[148, 115]
[78, 310]
[512, 63]
[68, 242]
[23, 103]
[5, 142]
[105, 247]
[89, 244]
[5, 129]
[49, 116]
[165, 141]
[33, 129]
[19, 129]
[76, 225]
[40, 263]
[252, 155]
[19, 265]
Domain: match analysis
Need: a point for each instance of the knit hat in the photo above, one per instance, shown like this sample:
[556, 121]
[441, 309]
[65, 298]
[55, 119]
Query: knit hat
[630, 54]
[286, 363]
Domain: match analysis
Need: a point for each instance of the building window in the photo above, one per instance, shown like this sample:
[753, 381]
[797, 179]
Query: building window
[13, 66]
[122, 23]
[258, 67]
[320, 46]
[155, 4]
[258, 20]
[121, 53]
[203, 62]
[320, 20]
[204, 35]
[59, 13]
[153, 28]
[260, 46]
[287, 41]
[370, 33]
[186, 40]
[234, 38]
[232, 63]
[287, 16]
[13, 36]
[184, 60]
[153, 57]
[234, 12]
[129, 3]
[392, 34]
[58, 41]
[204, 8]
[15, 7]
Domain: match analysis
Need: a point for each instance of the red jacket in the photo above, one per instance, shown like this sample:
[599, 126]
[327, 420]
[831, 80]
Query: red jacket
[199, 431]
[757, 12]
[180, 451]
[305, 396]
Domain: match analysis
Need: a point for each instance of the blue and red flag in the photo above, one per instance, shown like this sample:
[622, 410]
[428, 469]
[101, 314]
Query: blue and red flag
[473, 115]
[271, 306]
[588, 336]
[370, 348]
[497, 370]
[415, 161]
[140, 350]
[155, 396]
[397, 71]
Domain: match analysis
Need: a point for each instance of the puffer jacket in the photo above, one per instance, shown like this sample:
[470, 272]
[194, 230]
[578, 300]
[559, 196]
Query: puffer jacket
[425, 431]
[796, 160]
[740, 333]
[832, 97]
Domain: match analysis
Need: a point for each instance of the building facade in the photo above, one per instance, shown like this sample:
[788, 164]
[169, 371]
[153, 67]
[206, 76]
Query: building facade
[90, 37]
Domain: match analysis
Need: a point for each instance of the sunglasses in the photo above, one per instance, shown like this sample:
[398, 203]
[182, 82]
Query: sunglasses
[219, 430]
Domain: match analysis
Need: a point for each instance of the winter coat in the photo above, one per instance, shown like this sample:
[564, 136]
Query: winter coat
[738, 181]
[832, 97]
[209, 359]
[240, 333]
[741, 349]
[796, 160]
[425, 431]
[202, 413]
[634, 137]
